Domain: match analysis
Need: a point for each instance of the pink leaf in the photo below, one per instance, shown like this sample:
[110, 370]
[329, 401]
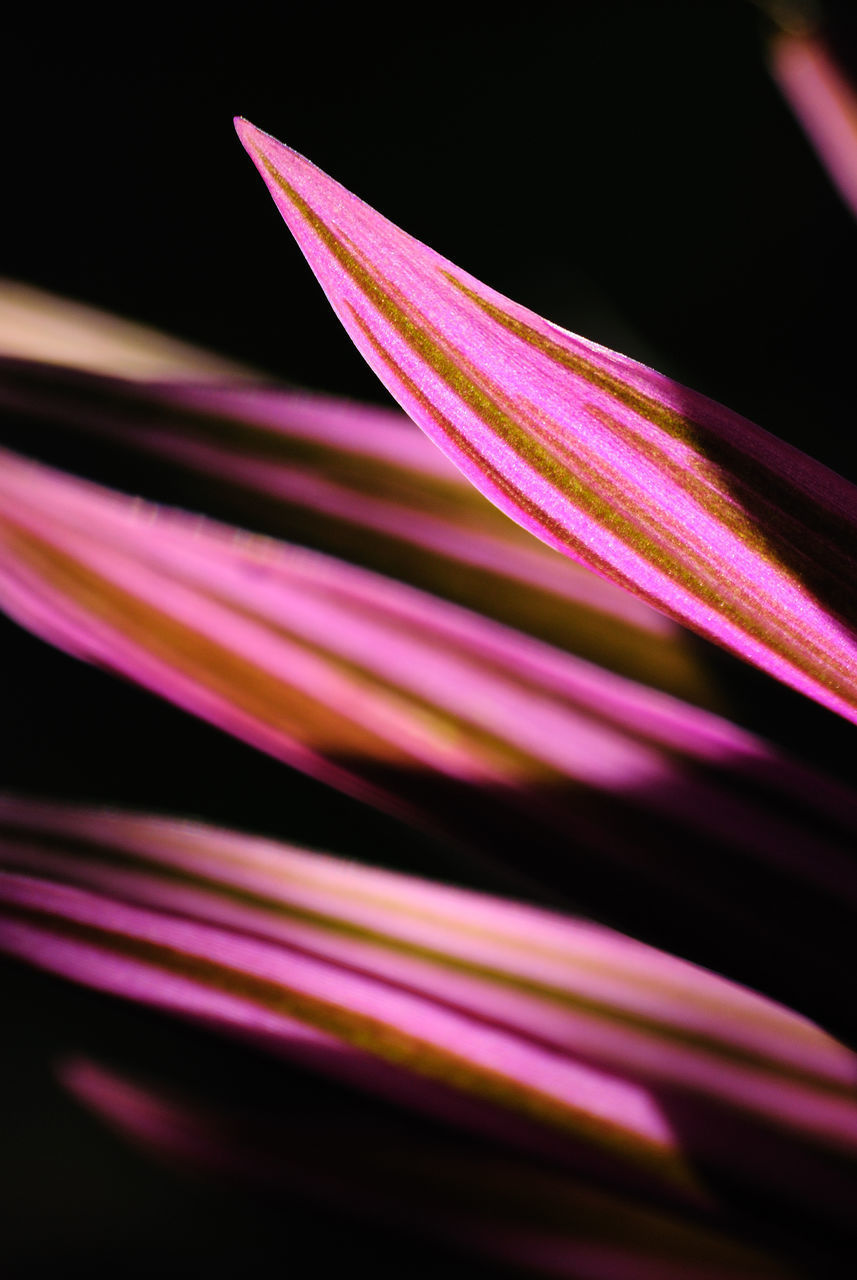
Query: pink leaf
[659, 489]
[824, 102]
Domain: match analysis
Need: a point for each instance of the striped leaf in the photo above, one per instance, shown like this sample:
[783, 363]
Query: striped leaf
[370, 1034]
[452, 722]
[489, 1203]
[576, 986]
[536, 1028]
[352, 480]
[691, 507]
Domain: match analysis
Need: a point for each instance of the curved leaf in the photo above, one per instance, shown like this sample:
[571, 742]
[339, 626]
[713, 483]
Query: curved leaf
[659, 489]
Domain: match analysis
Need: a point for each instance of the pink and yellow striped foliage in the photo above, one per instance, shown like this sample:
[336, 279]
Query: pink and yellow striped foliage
[653, 486]
[618, 1087]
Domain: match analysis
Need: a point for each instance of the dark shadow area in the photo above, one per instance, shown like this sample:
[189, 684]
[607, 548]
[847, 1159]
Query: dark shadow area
[812, 545]
[82, 1199]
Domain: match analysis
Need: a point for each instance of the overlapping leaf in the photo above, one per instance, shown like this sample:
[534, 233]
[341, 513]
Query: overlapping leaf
[655, 487]
[451, 721]
[553, 1035]
[360, 482]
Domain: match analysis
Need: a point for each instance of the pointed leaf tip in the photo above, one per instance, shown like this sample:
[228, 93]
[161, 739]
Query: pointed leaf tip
[260, 145]
[244, 129]
[690, 506]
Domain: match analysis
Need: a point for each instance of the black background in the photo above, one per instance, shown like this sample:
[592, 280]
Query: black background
[627, 169]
